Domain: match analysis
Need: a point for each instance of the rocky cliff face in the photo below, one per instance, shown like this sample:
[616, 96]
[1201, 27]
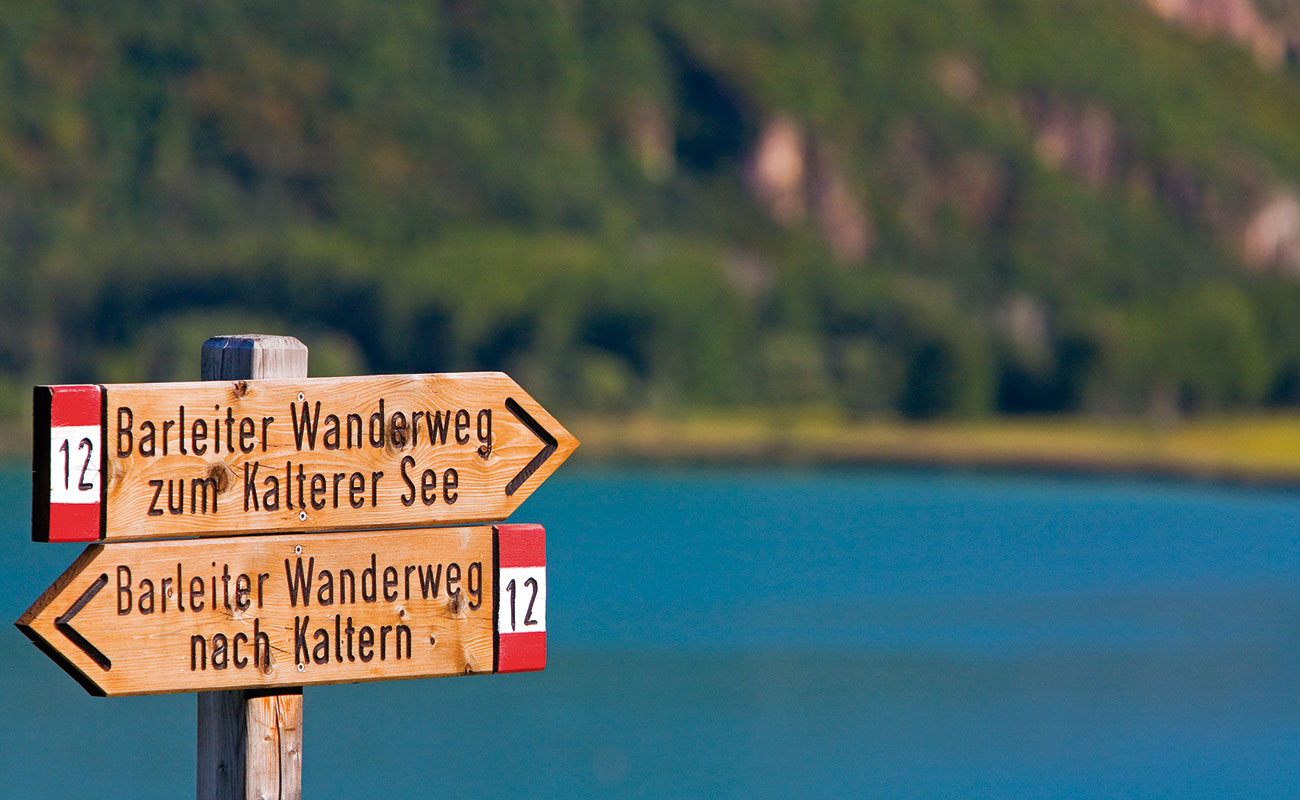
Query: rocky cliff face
[796, 176]
[1273, 36]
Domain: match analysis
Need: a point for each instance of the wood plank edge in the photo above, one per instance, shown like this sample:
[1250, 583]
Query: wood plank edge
[58, 658]
[55, 589]
[42, 402]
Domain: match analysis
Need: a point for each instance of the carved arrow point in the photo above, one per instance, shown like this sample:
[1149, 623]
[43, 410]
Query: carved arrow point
[62, 624]
[541, 433]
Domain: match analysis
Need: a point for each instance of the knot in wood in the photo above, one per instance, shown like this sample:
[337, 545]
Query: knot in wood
[241, 388]
[221, 474]
[397, 435]
[454, 604]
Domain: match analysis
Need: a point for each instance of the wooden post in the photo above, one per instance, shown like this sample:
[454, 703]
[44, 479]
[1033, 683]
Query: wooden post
[250, 742]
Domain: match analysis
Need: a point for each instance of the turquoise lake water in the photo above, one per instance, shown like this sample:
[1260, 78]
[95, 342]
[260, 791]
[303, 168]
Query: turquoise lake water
[761, 633]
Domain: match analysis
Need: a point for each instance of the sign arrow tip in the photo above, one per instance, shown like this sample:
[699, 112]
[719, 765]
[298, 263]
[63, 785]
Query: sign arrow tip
[63, 624]
[541, 433]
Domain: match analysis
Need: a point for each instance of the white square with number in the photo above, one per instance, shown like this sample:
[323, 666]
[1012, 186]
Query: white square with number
[523, 600]
[74, 464]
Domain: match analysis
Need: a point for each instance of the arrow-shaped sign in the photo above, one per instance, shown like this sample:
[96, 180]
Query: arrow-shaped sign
[145, 461]
[294, 610]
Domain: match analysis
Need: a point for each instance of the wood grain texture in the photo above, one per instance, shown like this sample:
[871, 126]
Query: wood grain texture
[222, 743]
[274, 732]
[413, 603]
[263, 732]
[251, 746]
[448, 449]
[252, 356]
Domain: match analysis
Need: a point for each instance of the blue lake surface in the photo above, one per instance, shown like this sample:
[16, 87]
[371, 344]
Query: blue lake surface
[758, 633]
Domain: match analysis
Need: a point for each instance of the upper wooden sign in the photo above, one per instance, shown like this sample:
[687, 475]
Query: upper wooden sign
[273, 611]
[160, 460]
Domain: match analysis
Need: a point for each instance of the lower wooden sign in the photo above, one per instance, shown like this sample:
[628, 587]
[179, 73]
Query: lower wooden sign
[298, 610]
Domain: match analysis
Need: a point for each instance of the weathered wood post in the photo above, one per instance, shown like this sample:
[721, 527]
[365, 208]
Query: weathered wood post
[250, 742]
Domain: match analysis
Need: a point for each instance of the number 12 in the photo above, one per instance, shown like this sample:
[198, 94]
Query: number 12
[82, 484]
[528, 615]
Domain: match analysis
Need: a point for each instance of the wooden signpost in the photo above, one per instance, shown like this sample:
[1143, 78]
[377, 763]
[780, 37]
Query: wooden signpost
[261, 612]
[258, 448]
[147, 461]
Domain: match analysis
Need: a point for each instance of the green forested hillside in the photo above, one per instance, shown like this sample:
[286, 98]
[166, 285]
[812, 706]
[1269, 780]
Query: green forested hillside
[937, 208]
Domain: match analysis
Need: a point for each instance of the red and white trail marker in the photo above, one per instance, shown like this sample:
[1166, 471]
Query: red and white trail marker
[68, 457]
[521, 606]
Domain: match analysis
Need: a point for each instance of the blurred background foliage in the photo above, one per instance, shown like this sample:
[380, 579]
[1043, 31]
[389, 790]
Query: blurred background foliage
[877, 207]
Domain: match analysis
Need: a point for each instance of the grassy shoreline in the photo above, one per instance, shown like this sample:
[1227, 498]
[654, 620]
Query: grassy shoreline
[1252, 449]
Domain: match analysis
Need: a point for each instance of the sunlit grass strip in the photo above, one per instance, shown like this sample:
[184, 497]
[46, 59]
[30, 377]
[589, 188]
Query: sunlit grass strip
[1256, 448]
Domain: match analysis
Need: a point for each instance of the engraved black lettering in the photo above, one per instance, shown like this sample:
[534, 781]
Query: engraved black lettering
[403, 629]
[430, 577]
[450, 482]
[89, 446]
[325, 594]
[206, 484]
[250, 487]
[177, 488]
[235, 641]
[243, 588]
[462, 426]
[300, 639]
[147, 448]
[428, 489]
[484, 430]
[370, 594]
[196, 593]
[408, 497]
[436, 424]
[377, 426]
[331, 437]
[528, 615]
[123, 589]
[338, 478]
[146, 594]
[219, 660]
[248, 435]
[366, 642]
[317, 491]
[154, 510]
[261, 643]
[415, 427]
[199, 436]
[304, 428]
[321, 652]
[198, 653]
[298, 581]
[474, 584]
[271, 499]
[453, 578]
[125, 439]
[357, 490]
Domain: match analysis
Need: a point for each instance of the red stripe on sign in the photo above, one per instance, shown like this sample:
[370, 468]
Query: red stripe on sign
[74, 522]
[521, 546]
[74, 405]
[521, 652]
